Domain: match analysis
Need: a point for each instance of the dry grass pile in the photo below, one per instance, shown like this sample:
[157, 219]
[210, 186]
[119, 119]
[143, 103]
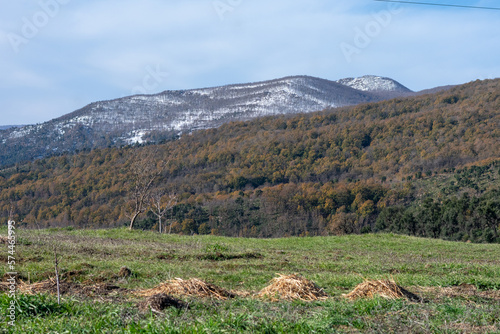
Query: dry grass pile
[383, 288]
[46, 286]
[292, 287]
[69, 288]
[192, 287]
[159, 302]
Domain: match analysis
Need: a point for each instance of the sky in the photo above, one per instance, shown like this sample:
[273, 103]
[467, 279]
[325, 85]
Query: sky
[57, 56]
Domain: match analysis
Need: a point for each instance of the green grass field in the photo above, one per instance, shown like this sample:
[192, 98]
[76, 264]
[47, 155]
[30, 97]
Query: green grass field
[433, 269]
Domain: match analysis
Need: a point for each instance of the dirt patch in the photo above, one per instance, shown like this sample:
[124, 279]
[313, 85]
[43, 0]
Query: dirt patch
[157, 303]
[192, 287]
[166, 256]
[468, 328]
[73, 274]
[94, 252]
[102, 277]
[348, 329]
[292, 287]
[217, 256]
[124, 272]
[102, 290]
[86, 265]
[383, 288]
[463, 290]
[69, 288]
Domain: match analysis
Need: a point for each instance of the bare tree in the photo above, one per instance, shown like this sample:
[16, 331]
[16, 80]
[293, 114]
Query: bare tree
[161, 203]
[11, 212]
[146, 169]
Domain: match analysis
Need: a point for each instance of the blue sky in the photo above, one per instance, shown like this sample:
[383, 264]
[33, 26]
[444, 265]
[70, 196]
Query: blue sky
[58, 55]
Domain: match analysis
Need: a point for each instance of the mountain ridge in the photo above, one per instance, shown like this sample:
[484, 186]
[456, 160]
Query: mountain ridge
[165, 115]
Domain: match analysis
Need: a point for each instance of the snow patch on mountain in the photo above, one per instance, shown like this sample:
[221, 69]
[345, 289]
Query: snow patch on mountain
[373, 83]
[136, 137]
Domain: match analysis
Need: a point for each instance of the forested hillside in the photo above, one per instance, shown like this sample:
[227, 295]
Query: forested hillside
[330, 172]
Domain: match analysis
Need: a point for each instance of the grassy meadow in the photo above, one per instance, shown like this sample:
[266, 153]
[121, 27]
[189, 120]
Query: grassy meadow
[459, 281]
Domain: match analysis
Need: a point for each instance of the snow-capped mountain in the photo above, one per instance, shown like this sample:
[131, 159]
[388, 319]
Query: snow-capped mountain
[372, 83]
[140, 118]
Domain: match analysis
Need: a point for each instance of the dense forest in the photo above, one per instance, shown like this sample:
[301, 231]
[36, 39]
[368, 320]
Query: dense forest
[426, 166]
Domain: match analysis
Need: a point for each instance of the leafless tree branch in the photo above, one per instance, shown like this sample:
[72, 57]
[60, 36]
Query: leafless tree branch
[146, 169]
[160, 203]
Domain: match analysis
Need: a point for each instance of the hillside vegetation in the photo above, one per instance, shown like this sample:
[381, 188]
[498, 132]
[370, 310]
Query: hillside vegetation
[330, 172]
[459, 282]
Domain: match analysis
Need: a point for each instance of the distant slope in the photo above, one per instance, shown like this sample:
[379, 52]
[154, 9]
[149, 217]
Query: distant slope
[435, 90]
[160, 116]
[332, 171]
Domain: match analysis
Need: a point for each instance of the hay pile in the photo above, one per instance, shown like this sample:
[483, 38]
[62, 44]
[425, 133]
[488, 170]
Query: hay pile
[192, 287]
[292, 287]
[384, 288]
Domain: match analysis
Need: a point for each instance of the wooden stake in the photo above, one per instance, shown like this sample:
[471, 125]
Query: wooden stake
[57, 277]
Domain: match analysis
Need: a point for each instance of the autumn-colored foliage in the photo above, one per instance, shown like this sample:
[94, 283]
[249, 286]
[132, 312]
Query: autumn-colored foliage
[330, 172]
